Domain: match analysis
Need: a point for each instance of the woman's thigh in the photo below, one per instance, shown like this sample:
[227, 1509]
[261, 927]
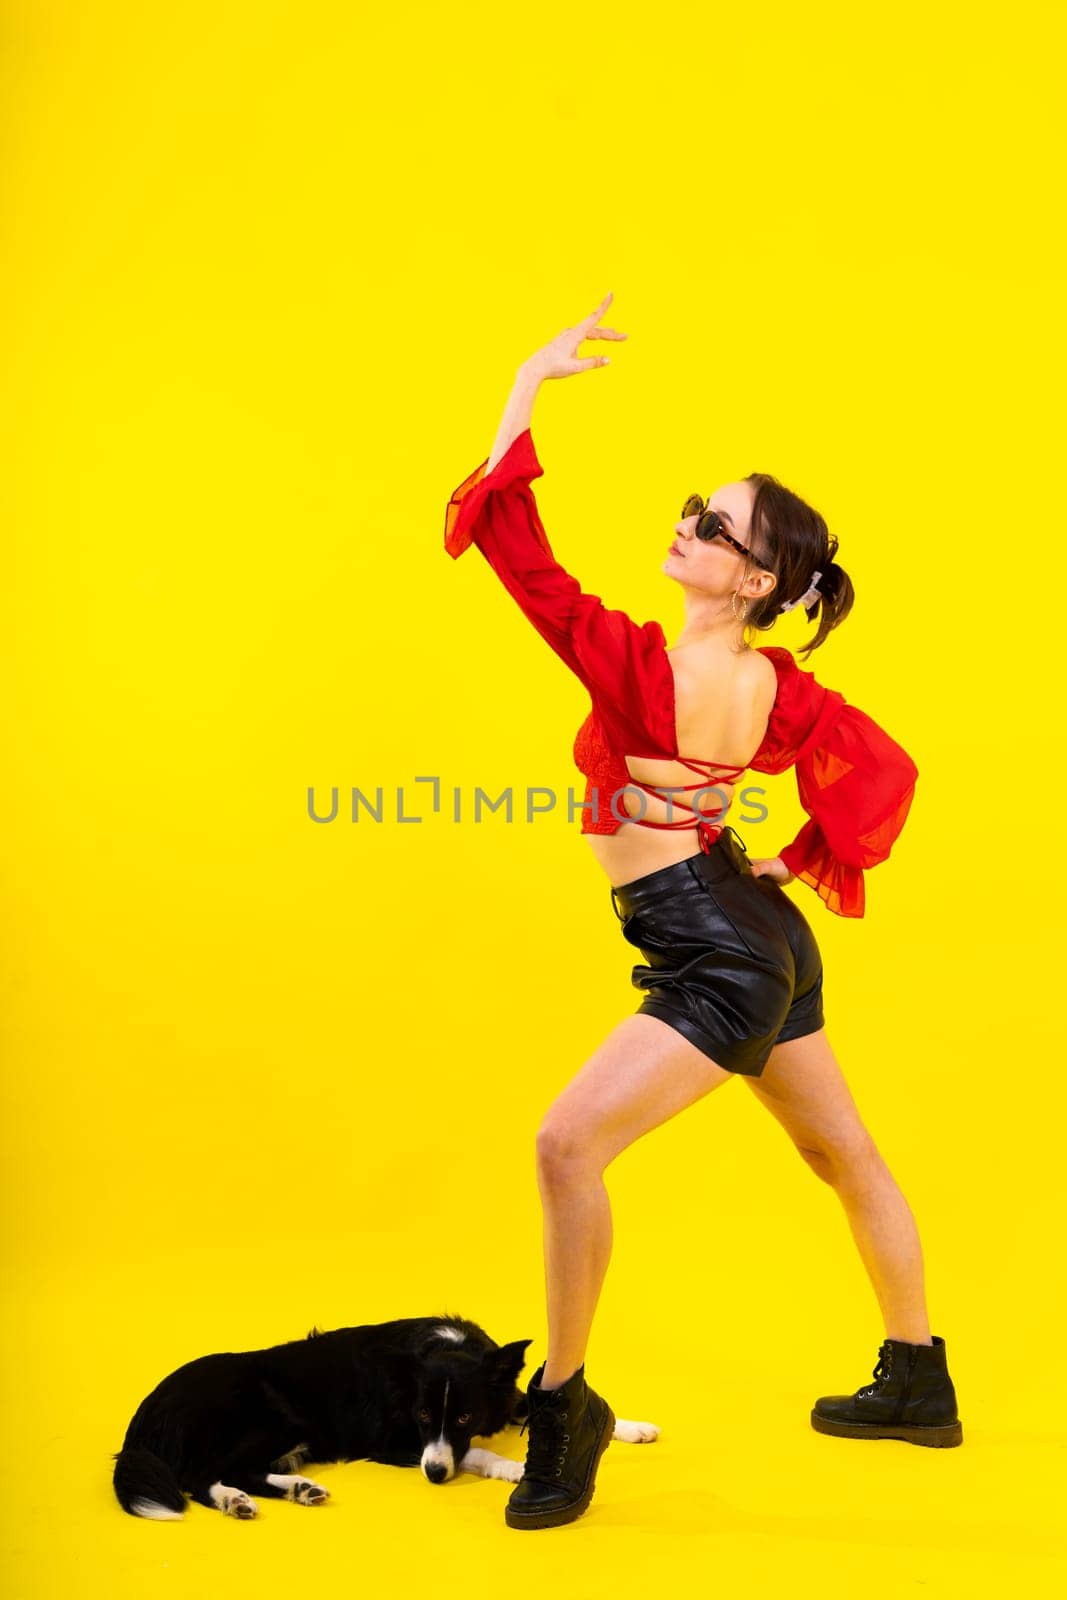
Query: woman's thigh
[643, 1074]
[803, 1086]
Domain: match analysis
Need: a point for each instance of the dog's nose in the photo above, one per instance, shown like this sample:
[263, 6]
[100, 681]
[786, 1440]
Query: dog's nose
[436, 1471]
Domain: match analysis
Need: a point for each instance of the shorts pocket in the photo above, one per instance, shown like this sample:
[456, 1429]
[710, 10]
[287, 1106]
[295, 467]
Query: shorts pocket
[674, 919]
[754, 920]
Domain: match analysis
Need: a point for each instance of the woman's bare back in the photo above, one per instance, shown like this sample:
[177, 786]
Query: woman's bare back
[723, 700]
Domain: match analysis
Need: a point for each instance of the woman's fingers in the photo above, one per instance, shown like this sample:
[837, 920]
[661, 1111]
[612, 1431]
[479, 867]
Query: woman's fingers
[559, 357]
[589, 327]
[593, 318]
[771, 867]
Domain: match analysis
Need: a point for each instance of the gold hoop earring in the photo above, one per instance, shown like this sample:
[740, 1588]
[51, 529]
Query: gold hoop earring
[733, 608]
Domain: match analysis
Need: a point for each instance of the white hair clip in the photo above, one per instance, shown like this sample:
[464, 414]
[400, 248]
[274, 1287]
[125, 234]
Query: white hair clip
[811, 594]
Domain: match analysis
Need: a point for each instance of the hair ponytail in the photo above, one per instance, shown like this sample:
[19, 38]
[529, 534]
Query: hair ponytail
[791, 540]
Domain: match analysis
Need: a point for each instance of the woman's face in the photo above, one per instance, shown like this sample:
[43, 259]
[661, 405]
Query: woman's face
[713, 566]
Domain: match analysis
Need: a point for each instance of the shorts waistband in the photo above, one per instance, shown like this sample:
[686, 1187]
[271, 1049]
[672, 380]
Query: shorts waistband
[725, 858]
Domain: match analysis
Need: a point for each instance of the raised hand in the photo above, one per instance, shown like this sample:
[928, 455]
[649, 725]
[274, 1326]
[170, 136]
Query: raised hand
[558, 358]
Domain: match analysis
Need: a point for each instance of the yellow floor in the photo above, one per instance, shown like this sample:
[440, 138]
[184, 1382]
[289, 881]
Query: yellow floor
[738, 1492]
[269, 268]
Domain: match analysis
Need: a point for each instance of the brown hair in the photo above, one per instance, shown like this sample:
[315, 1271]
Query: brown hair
[791, 539]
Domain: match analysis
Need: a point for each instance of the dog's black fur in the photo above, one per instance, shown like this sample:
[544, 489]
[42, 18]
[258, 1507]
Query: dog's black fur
[413, 1391]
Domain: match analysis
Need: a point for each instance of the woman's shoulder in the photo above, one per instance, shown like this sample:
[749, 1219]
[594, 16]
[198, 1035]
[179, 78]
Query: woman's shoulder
[790, 680]
[802, 708]
[765, 687]
[781, 660]
[768, 663]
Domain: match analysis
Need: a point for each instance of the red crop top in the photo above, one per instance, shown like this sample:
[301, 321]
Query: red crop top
[607, 775]
[854, 781]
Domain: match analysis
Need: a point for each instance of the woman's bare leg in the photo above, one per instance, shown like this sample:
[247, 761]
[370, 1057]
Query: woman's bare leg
[804, 1088]
[643, 1074]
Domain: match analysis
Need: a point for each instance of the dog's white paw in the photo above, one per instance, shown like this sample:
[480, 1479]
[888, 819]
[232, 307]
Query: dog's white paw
[487, 1464]
[308, 1493]
[302, 1490]
[233, 1502]
[635, 1432]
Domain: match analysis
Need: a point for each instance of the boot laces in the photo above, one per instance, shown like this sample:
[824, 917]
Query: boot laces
[546, 1449]
[882, 1368]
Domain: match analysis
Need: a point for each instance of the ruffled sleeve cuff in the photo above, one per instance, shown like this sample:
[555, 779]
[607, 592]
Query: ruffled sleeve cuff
[518, 464]
[857, 785]
[809, 859]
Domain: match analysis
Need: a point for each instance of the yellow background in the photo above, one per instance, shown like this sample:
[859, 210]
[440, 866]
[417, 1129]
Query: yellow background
[270, 269]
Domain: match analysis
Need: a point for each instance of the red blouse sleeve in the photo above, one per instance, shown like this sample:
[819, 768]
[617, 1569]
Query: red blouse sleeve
[615, 657]
[857, 785]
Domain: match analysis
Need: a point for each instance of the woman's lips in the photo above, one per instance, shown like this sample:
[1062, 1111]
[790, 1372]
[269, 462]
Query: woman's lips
[674, 551]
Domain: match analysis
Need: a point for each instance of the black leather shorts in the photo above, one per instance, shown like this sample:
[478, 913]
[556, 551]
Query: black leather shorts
[732, 962]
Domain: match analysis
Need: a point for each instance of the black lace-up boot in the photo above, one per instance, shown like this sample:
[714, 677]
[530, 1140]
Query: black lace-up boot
[911, 1398]
[570, 1428]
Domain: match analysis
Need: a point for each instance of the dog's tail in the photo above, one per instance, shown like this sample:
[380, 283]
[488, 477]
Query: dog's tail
[146, 1486]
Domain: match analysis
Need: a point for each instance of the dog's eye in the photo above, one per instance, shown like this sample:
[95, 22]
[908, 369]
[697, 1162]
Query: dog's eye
[464, 1418]
[424, 1415]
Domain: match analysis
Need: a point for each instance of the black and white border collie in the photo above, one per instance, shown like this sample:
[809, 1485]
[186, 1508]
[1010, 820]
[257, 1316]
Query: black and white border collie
[414, 1392]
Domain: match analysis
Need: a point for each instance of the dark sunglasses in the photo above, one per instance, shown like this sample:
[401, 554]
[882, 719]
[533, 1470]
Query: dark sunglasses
[711, 526]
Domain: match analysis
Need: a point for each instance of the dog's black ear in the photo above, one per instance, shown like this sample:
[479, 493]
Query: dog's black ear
[508, 1360]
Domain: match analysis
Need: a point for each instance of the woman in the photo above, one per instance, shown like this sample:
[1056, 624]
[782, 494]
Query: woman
[733, 981]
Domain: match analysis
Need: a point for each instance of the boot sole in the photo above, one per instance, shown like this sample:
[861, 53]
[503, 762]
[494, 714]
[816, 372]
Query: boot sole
[562, 1514]
[943, 1437]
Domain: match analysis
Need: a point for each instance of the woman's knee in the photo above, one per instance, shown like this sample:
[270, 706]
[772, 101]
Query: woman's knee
[841, 1159]
[565, 1147]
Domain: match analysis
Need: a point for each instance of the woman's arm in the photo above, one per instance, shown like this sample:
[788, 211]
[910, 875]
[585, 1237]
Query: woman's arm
[494, 507]
[557, 359]
[857, 788]
[618, 660]
[517, 413]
